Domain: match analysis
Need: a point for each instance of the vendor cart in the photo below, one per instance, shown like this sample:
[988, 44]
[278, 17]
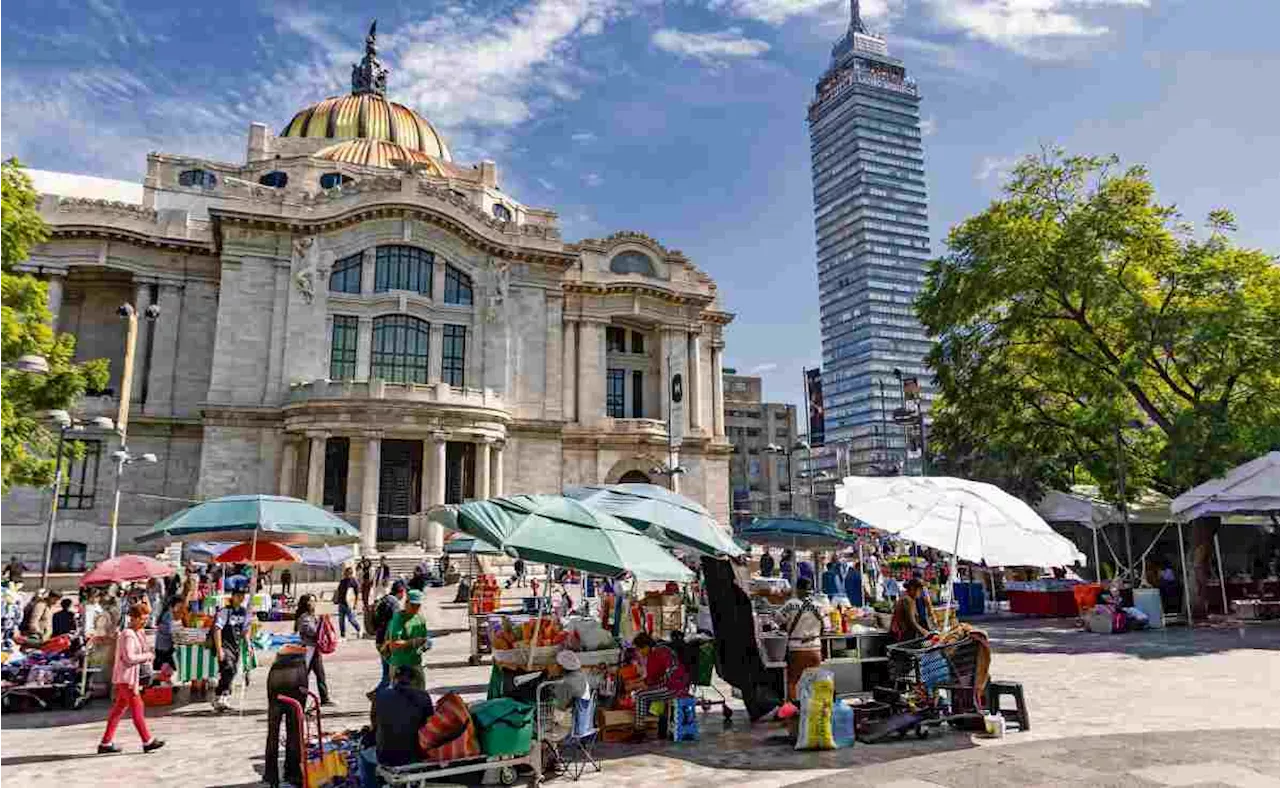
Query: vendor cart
[423, 775]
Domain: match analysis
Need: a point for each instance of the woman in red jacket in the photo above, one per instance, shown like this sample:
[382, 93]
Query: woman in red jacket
[665, 676]
[132, 651]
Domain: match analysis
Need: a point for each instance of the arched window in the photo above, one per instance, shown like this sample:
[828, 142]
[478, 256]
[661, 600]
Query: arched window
[402, 268]
[276, 180]
[457, 287]
[400, 349]
[501, 212]
[632, 263]
[332, 179]
[201, 178]
[345, 277]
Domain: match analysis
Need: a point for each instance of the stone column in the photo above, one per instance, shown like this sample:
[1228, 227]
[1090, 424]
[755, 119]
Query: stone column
[288, 465]
[694, 388]
[315, 469]
[664, 379]
[591, 372]
[435, 354]
[482, 470]
[55, 283]
[569, 372]
[164, 352]
[434, 461]
[717, 389]
[364, 349]
[141, 300]
[369, 494]
[495, 471]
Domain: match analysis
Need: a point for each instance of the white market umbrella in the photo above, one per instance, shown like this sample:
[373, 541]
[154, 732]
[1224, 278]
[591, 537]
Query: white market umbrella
[970, 520]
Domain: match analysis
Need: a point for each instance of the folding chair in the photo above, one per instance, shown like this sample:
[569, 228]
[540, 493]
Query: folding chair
[576, 749]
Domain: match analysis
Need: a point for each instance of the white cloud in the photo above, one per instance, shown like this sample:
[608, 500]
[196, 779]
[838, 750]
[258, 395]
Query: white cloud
[583, 137]
[995, 167]
[709, 48]
[760, 369]
[592, 179]
[1035, 28]
[928, 126]
[775, 12]
[544, 183]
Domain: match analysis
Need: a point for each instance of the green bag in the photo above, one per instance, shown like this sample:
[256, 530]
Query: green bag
[506, 726]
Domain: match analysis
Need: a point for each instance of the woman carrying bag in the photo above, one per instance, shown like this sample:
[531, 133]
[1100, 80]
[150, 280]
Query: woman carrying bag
[132, 652]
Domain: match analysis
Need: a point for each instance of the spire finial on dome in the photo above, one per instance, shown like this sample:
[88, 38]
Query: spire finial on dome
[855, 18]
[369, 75]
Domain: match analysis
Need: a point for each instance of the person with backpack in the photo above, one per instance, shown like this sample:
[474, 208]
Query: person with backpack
[383, 612]
[308, 626]
[228, 633]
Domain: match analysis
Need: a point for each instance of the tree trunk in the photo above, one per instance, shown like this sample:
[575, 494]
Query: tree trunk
[1202, 533]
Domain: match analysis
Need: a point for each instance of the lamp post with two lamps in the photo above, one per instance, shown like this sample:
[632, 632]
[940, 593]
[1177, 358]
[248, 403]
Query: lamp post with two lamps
[122, 456]
[64, 423]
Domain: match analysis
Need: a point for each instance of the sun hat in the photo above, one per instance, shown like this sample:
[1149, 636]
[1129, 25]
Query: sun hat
[568, 660]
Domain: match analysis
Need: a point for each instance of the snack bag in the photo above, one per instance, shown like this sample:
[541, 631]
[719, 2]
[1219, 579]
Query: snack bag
[817, 690]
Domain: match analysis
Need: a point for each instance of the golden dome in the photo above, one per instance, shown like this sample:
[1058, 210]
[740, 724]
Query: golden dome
[367, 114]
[378, 153]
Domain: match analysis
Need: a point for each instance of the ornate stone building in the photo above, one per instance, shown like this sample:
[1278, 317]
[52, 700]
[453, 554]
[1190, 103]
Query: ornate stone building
[352, 317]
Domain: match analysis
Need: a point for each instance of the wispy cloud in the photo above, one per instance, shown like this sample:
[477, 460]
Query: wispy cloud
[1035, 28]
[709, 48]
[544, 183]
[760, 369]
[775, 12]
[583, 137]
[928, 126]
[995, 168]
[592, 179]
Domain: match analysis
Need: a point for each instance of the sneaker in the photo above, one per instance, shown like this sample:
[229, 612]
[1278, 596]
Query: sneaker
[154, 744]
[330, 702]
[108, 749]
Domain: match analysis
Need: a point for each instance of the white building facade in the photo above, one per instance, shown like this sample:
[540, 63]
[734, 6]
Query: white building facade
[353, 318]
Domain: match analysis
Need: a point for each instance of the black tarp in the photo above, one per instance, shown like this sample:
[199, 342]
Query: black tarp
[737, 655]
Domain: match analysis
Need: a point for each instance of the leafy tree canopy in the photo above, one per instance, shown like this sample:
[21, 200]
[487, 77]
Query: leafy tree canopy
[1077, 315]
[28, 443]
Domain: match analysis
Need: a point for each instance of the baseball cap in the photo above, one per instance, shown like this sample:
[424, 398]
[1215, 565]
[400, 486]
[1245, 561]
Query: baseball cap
[415, 597]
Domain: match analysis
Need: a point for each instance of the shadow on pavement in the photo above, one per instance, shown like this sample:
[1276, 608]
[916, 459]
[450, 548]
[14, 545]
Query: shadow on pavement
[23, 760]
[1062, 636]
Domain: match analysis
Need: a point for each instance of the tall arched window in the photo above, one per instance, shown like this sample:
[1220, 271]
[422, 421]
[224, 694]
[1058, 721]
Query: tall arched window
[345, 277]
[402, 268]
[400, 349]
[457, 287]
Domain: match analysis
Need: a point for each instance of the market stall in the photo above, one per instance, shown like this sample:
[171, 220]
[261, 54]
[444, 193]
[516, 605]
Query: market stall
[485, 596]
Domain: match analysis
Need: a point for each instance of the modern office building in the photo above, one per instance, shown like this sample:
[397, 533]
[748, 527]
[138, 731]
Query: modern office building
[871, 219]
[353, 317]
[762, 434]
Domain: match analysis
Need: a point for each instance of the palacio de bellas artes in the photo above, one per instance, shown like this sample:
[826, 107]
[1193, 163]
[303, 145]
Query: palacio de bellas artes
[354, 318]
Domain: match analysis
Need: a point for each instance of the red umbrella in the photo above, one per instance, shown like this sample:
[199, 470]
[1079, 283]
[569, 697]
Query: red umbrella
[125, 569]
[267, 553]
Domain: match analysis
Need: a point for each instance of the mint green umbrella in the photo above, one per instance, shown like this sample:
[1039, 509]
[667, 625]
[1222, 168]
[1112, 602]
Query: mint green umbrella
[242, 518]
[551, 529]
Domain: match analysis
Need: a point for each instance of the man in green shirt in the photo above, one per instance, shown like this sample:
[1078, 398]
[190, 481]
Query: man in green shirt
[407, 638]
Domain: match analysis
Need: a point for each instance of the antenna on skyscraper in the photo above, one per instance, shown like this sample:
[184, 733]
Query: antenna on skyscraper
[855, 18]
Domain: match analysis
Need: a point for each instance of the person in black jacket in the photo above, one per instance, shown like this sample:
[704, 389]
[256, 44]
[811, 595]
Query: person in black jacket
[287, 677]
[399, 710]
[64, 621]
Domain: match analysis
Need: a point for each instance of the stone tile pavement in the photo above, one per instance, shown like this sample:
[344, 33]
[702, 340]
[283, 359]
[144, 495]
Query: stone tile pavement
[1144, 709]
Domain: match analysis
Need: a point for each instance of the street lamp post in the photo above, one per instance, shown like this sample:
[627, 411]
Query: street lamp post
[130, 315]
[65, 423]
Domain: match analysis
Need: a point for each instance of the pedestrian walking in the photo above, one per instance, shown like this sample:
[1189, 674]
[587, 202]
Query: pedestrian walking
[230, 627]
[131, 653]
[520, 572]
[307, 625]
[366, 581]
[386, 610]
[169, 620]
[345, 598]
[384, 572]
[286, 581]
[288, 677]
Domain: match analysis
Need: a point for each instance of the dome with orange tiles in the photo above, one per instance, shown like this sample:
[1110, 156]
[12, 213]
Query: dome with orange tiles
[367, 114]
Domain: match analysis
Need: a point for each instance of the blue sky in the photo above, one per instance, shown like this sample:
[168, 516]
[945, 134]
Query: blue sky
[682, 119]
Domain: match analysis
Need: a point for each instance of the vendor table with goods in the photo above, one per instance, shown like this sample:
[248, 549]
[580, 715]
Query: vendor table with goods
[1050, 598]
[1266, 592]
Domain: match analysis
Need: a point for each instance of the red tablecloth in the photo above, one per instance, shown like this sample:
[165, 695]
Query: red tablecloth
[1043, 603]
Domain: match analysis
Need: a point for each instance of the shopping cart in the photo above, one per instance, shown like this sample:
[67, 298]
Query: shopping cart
[929, 682]
[706, 693]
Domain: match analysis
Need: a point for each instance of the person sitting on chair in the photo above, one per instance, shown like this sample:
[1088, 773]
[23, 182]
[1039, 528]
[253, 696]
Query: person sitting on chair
[906, 624]
[399, 710]
[665, 675]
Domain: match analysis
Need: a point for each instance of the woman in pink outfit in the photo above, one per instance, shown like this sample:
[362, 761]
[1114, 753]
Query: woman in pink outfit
[132, 651]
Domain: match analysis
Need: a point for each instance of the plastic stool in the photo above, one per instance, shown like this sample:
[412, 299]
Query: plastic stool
[996, 689]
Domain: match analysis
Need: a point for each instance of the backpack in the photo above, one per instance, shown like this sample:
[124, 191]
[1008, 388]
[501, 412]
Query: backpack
[326, 637]
[382, 613]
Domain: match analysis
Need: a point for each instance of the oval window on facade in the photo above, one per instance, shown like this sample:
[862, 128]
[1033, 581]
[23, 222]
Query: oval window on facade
[632, 263]
[501, 212]
[276, 180]
[201, 178]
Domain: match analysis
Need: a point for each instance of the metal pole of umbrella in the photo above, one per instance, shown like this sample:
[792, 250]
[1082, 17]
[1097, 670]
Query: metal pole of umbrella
[1124, 510]
[946, 619]
[1097, 562]
[1186, 582]
[1222, 576]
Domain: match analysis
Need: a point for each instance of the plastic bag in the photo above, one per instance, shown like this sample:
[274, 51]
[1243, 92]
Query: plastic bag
[817, 691]
[685, 723]
[842, 724]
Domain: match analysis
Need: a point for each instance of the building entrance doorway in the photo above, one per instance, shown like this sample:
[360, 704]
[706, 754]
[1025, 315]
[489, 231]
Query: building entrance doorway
[459, 471]
[399, 488]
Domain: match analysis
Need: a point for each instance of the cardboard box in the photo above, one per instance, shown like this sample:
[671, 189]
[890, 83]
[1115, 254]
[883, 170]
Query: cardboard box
[613, 719]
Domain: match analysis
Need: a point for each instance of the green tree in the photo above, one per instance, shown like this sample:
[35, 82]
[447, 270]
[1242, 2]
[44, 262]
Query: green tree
[1080, 323]
[29, 444]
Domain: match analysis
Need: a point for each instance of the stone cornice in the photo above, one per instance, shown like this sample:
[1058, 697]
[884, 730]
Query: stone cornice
[221, 415]
[523, 427]
[637, 288]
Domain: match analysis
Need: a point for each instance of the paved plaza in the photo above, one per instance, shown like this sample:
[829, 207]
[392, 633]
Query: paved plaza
[1143, 709]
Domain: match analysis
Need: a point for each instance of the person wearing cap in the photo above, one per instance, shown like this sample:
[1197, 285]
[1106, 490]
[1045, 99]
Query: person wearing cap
[407, 638]
[230, 629]
[906, 624]
[571, 681]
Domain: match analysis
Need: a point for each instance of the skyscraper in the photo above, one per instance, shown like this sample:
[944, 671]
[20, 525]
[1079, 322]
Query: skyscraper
[871, 219]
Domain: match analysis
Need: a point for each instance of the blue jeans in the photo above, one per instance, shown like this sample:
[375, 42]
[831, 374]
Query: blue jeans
[385, 681]
[368, 767]
[345, 615]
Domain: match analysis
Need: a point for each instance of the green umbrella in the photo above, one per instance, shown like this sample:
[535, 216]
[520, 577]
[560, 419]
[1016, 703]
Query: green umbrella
[241, 518]
[551, 529]
[662, 514]
[464, 545]
[795, 532]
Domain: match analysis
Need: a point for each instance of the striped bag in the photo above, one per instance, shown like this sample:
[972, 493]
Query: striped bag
[450, 733]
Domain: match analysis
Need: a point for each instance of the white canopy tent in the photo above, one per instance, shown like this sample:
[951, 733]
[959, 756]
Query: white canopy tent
[1083, 505]
[970, 520]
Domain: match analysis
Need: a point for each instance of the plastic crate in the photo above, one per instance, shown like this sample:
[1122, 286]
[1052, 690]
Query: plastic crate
[158, 696]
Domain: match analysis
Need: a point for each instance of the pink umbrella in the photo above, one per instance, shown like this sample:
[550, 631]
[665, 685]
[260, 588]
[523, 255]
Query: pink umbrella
[124, 569]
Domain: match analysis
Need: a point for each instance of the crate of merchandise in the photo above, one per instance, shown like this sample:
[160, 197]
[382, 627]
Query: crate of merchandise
[189, 636]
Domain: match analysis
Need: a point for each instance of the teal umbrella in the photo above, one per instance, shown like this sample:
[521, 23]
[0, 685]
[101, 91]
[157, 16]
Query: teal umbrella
[241, 518]
[464, 545]
[551, 529]
[660, 513]
[795, 532]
